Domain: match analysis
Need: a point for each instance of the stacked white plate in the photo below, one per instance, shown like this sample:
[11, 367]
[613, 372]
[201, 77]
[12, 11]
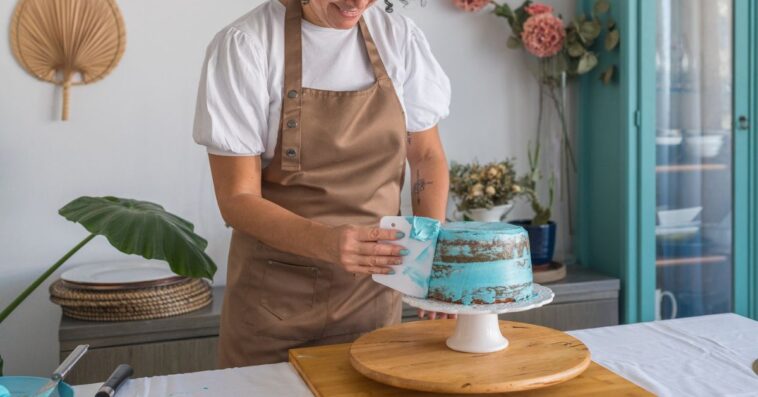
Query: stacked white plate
[678, 224]
[121, 275]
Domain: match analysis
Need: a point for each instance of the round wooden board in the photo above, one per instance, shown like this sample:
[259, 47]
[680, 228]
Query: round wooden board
[549, 273]
[414, 356]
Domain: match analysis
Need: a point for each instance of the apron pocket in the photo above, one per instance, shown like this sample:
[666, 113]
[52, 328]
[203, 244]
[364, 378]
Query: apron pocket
[288, 290]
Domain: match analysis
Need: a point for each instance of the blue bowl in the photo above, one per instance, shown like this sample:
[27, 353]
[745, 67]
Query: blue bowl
[27, 385]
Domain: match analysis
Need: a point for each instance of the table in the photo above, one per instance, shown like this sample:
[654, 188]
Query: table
[699, 356]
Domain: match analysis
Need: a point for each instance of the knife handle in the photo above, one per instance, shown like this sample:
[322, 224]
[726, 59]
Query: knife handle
[69, 362]
[119, 375]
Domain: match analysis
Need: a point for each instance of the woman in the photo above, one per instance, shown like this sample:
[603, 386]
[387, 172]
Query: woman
[309, 110]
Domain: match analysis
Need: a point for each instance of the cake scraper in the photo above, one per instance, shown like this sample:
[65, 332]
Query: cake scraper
[412, 276]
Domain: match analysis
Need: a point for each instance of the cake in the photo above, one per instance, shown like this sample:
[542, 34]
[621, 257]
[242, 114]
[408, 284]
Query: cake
[481, 263]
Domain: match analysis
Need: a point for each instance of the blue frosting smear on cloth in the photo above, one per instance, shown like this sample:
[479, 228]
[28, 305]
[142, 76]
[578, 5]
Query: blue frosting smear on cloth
[423, 229]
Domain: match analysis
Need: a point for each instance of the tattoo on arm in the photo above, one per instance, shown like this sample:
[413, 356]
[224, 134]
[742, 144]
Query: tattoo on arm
[419, 186]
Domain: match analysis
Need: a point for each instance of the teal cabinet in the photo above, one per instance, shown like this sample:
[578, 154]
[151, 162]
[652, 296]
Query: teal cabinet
[668, 174]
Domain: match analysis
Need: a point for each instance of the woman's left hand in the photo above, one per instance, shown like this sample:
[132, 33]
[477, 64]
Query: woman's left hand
[434, 315]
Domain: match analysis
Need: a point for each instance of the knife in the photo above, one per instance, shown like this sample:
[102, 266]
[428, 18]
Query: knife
[117, 378]
[61, 371]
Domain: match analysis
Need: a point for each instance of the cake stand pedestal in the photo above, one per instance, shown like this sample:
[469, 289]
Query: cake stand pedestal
[477, 329]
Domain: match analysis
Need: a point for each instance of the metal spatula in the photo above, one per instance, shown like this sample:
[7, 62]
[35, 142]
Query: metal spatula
[61, 371]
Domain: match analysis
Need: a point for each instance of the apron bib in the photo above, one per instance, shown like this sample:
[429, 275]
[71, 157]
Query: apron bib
[339, 159]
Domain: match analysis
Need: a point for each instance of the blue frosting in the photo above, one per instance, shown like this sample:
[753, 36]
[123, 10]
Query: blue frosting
[423, 229]
[479, 262]
[483, 282]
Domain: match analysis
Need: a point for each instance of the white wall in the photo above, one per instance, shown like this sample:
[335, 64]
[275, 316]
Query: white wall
[130, 136]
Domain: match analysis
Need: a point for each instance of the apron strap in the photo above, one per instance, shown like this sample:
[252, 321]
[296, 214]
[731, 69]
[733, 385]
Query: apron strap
[290, 125]
[380, 72]
[293, 85]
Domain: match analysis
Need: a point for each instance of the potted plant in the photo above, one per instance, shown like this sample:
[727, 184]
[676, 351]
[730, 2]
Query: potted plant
[485, 192]
[540, 228]
[132, 227]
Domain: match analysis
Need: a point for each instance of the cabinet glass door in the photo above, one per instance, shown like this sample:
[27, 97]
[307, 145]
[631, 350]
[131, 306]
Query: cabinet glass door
[694, 172]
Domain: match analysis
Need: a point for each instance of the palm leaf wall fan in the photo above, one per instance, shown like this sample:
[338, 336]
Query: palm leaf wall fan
[68, 42]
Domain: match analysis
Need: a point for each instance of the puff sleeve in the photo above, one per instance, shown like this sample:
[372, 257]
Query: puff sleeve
[232, 98]
[426, 89]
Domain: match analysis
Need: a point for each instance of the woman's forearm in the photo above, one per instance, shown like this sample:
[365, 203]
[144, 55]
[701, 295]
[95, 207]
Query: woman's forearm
[275, 226]
[236, 181]
[430, 178]
[430, 183]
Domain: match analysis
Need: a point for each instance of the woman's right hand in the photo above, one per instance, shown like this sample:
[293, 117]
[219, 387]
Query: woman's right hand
[358, 249]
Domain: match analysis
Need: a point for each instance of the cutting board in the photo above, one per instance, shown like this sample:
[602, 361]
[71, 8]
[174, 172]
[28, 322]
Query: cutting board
[328, 373]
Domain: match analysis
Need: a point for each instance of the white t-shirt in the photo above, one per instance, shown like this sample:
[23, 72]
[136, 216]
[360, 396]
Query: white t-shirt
[240, 94]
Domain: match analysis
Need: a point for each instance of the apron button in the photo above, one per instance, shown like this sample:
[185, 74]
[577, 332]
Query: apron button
[291, 123]
[291, 153]
[292, 94]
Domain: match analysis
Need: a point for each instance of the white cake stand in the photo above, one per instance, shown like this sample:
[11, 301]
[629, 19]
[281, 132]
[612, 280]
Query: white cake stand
[477, 329]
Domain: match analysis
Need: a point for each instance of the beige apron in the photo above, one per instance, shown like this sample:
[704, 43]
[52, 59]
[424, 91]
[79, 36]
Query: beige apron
[340, 159]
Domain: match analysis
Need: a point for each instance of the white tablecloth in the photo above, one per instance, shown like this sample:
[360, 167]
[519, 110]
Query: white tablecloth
[700, 356]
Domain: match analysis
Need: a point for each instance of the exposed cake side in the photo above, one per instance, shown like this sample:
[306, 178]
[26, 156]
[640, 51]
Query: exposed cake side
[481, 263]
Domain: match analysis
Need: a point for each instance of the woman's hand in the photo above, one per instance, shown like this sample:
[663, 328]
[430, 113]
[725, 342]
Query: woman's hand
[434, 315]
[357, 249]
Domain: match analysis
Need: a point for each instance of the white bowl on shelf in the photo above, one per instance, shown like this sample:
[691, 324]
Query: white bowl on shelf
[668, 136]
[668, 140]
[678, 217]
[705, 146]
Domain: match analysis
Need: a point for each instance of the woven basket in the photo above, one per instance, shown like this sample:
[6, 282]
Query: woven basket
[132, 304]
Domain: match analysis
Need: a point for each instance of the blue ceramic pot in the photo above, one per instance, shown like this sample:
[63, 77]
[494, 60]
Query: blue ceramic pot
[541, 240]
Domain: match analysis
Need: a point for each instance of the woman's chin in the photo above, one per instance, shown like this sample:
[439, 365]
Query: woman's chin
[345, 25]
[340, 20]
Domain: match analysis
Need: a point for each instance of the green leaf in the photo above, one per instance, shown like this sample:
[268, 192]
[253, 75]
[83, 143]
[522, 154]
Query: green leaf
[601, 7]
[520, 15]
[513, 42]
[607, 75]
[586, 63]
[146, 229]
[610, 24]
[571, 35]
[505, 11]
[576, 50]
[590, 30]
[575, 28]
[612, 40]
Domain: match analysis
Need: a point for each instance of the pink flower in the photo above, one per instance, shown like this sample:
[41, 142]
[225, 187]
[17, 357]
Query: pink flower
[543, 35]
[471, 5]
[538, 8]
